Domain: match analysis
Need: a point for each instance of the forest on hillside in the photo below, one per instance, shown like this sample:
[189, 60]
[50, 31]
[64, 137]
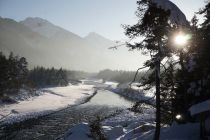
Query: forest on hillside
[120, 76]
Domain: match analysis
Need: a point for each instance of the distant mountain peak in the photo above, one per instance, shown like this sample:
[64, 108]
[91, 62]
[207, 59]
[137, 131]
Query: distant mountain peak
[35, 22]
[38, 19]
[96, 36]
[42, 26]
[98, 40]
[46, 28]
[92, 33]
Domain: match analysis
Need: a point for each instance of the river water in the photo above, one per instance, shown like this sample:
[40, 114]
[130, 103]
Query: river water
[53, 126]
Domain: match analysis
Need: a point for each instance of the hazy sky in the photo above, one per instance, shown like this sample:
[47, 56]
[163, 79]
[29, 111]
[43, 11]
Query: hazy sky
[83, 16]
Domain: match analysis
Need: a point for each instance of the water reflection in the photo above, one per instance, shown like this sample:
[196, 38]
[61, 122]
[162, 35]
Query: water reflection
[109, 99]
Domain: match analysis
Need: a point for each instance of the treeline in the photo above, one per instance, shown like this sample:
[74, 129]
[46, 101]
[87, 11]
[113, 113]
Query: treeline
[77, 75]
[119, 76]
[14, 75]
[42, 77]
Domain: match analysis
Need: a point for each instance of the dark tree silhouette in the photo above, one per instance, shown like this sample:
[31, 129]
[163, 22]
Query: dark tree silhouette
[13, 73]
[42, 77]
[155, 28]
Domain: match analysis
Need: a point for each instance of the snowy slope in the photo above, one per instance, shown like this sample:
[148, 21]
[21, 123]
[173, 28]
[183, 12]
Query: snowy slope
[188, 131]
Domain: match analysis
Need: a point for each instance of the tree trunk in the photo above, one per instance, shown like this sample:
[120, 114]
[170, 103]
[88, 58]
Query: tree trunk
[157, 73]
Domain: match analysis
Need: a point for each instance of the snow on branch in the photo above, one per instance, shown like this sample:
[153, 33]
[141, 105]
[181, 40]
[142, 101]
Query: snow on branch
[177, 16]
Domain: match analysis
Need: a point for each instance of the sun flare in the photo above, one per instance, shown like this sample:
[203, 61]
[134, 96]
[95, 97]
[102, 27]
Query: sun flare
[181, 39]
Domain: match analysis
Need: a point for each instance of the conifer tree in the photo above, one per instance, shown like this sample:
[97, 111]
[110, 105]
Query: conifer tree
[198, 60]
[13, 73]
[156, 28]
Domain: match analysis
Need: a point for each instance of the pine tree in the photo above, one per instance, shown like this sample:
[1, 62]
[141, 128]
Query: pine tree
[61, 77]
[3, 74]
[13, 73]
[155, 27]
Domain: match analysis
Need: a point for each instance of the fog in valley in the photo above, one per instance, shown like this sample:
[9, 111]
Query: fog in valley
[44, 44]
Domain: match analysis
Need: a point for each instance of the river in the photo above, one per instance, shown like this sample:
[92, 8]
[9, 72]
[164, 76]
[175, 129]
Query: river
[54, 125]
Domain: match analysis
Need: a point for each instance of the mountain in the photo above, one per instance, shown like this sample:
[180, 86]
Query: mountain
[46, 44]
[54, 33]
[37, 48]
[15, 37]
[41, 26]
[97, 40]
[47, 29]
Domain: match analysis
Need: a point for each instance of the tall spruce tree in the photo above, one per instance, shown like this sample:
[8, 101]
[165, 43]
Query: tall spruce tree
[156, 28]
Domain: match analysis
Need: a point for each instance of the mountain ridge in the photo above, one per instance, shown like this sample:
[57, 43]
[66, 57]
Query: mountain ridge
[58, 47]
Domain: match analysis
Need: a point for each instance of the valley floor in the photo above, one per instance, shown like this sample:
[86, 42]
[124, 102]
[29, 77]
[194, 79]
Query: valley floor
[123, 126]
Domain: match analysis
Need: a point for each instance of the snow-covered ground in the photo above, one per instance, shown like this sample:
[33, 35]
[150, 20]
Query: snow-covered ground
[47, 100]
[51, 99]
[188, 131]
[129, 126]
[126, 125]
[133, 91]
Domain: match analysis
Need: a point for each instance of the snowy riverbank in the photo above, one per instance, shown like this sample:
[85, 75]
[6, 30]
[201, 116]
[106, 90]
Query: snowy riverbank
[129, 126]
[50, 100]
[125, 125]
[132, 92]
[139, 126]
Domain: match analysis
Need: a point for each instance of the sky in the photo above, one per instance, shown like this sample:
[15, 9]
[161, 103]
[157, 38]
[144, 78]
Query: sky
[84, 16]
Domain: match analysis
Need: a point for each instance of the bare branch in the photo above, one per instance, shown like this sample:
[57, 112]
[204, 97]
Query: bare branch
[134, 79]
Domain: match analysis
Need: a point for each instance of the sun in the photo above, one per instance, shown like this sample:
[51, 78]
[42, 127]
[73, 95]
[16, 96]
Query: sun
[181, 39]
